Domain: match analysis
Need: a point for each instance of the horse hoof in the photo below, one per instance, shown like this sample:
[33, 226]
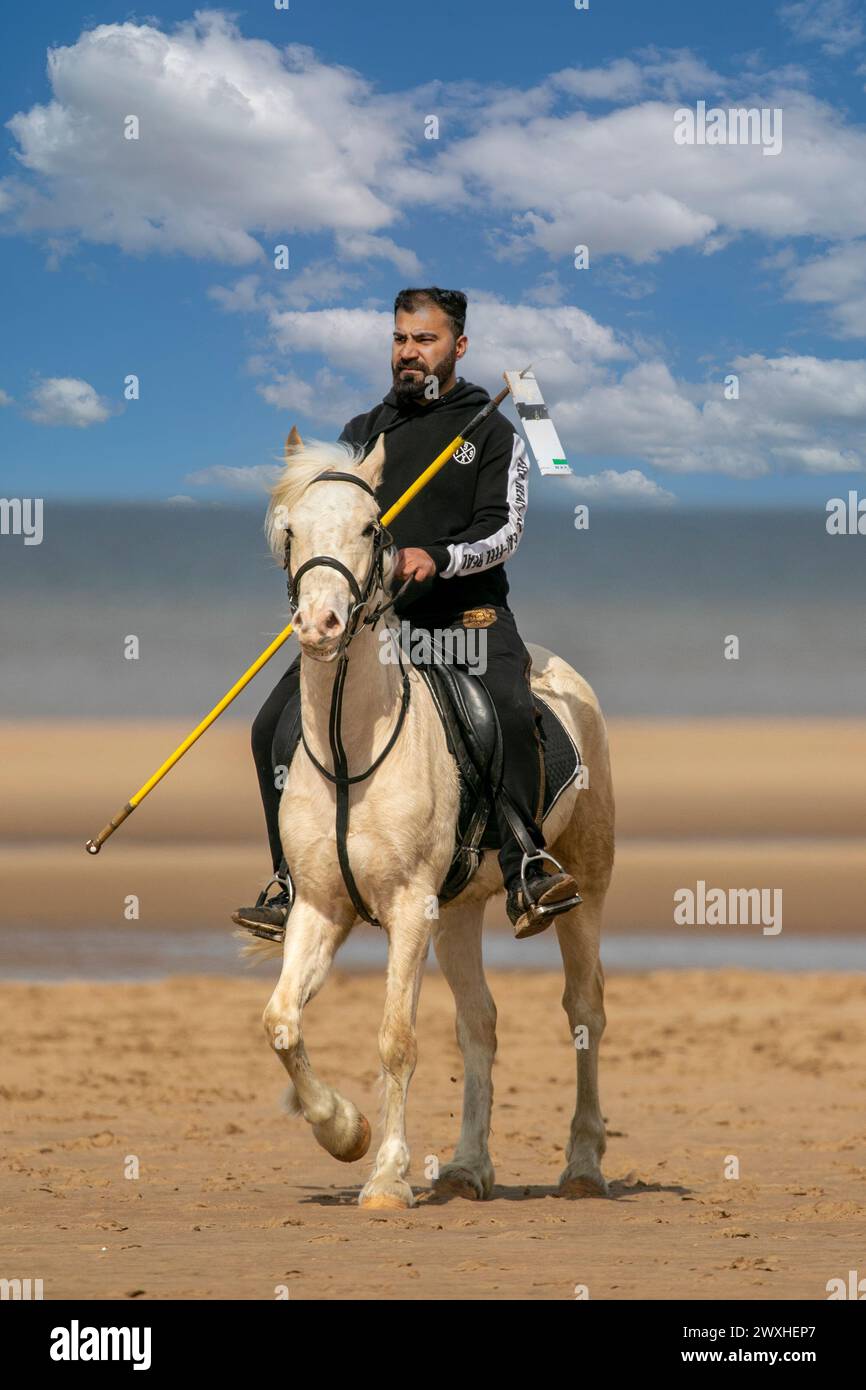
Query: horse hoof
[361, 1144]
[459, 1182]
[386, 1194]
[383, 1201]
[576, 1188]
[346, 1135]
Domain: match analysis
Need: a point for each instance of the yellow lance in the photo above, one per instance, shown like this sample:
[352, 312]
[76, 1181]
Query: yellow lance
[95, 845]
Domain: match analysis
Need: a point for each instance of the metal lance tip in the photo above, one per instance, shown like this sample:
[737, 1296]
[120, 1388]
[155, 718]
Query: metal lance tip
[92, 847]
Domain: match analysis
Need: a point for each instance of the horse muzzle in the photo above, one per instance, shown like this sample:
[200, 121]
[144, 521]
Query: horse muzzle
[320, 628]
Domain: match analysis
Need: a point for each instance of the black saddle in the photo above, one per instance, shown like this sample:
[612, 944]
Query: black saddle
[474, 739]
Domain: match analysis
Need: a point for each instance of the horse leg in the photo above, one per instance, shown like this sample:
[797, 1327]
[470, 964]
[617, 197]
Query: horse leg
[583, 1001]
[311, 941]
[409, 940]
[457, 939]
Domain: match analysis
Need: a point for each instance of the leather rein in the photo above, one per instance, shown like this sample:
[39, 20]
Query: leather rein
[375, 581]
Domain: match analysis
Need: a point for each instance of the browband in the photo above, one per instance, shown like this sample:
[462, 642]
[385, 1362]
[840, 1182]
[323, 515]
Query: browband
[344, 478]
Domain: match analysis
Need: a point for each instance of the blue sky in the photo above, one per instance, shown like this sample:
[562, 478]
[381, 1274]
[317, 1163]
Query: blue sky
[306, 126]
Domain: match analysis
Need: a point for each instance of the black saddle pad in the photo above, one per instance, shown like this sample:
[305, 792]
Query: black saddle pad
[561, 756]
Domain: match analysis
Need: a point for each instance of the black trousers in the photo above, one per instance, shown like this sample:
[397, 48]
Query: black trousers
[506, 677]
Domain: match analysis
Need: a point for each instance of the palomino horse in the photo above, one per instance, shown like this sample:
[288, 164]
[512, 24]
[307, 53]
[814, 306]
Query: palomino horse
[401, 831]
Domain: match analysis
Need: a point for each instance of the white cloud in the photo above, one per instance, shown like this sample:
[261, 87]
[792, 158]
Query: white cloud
[794, 414]
[258, 478]
[318, 282]
[5, 398]
[243, 143]
[611, 486]
[670, 75]
[243, 297]
[618, 183]
[236, 137]
[362, 246]
[834, 24]
[328, 397]
[837, 279]
[354, 339]
[66, 400]
[548, 289]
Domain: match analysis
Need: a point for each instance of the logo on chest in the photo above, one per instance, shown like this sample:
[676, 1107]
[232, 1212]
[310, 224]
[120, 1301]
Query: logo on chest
[466, 452]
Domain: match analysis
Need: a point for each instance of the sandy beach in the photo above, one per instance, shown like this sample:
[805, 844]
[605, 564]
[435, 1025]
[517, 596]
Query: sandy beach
[173, 1078]
[234, 1199]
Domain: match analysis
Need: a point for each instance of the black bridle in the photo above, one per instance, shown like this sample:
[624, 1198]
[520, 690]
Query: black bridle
[375, 578]
[374, 581]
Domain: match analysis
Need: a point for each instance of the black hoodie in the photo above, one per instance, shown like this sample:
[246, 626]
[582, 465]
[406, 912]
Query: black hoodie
[470, 516]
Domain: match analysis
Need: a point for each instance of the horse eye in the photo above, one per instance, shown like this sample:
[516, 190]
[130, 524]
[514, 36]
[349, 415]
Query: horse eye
[368, 530]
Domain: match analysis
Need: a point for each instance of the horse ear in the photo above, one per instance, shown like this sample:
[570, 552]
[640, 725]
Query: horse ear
[293, 442]
[373, 465]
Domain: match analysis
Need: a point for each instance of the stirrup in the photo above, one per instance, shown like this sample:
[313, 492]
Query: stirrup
[552, 909]
[277, 935]
[285, 884]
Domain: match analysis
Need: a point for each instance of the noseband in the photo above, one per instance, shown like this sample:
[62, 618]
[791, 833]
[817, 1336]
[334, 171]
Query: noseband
[375, 579]
[340, 778]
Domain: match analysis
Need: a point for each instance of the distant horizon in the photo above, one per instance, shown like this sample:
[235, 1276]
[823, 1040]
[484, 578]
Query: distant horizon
[694, 507]
[641, 603]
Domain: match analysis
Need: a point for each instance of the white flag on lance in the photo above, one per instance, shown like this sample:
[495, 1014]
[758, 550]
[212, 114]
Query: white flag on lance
[537, 425]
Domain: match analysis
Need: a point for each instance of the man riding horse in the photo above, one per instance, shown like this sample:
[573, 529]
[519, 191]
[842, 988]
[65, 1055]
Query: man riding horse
[451, 559]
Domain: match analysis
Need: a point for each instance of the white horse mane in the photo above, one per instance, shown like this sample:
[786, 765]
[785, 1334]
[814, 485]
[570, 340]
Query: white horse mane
[303, 464]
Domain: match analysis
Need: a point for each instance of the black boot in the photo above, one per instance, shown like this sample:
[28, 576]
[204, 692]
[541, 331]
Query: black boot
[269, 916]
[535, 897]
